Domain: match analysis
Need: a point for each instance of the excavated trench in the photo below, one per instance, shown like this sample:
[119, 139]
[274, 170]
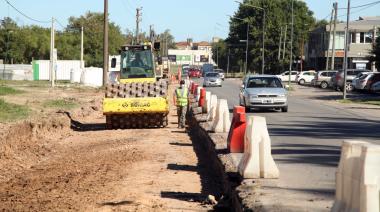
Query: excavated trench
[72, 163]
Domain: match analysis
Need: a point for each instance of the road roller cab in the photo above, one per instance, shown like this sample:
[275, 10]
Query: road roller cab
[138, 100]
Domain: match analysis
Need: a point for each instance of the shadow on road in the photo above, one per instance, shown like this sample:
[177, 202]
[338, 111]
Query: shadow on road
[323, 192]
[178, 167]
[78, 126]
[125, 202]
[329, 128]
[179, 144]
[184, 196]
[307, 153]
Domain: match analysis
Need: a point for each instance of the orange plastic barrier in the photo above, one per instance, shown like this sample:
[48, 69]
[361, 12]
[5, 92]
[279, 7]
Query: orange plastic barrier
[202, 97]
[195, 91]
[235, 140]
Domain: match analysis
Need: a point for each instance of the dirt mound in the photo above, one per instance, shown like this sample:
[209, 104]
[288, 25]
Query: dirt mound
[24, 144]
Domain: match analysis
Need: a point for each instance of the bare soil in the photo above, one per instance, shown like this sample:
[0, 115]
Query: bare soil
[66, 161]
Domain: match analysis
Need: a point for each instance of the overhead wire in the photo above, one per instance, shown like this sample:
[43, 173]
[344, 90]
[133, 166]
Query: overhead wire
[363, 5]
[26, 16]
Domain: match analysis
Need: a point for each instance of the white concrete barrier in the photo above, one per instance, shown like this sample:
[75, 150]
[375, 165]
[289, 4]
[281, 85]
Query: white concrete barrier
[257, 161]
[222, 121]
[358, 178]
[206, 107]
[198, 93]
[213, 105]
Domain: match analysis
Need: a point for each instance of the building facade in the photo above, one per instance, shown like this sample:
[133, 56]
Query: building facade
[191, 53]
[363, 33]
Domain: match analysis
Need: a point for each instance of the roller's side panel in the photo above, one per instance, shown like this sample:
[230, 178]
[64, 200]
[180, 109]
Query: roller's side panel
[135, 105]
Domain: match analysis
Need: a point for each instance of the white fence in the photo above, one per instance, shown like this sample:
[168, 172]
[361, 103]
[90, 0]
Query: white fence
[63, 69]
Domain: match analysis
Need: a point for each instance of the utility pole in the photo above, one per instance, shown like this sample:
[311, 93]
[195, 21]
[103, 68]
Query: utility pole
[302, 51]
[6, 49]
[334, 34]
[138, 14]
[285, 34]
[166, 45]
[105, 44]
[246, 51]
[328, 41]
[291, 45]
[81, 48]
[279, 46]
[52, 74]
[263, 59]
[373, 65]
[228, 60]
[217, 56]
[151, 36]
[346, 50]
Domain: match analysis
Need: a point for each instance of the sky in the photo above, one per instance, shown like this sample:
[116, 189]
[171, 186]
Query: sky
[197, 19]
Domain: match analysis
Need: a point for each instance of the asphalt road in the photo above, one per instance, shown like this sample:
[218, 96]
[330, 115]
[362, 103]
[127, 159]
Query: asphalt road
[306, 141]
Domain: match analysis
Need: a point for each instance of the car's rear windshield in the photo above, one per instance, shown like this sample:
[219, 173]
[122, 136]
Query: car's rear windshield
[264, 82]
[212, 75]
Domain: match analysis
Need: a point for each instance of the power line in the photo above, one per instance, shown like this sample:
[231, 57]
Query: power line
[59, 23]
[363, 5]
[23, 14]
[356, 11]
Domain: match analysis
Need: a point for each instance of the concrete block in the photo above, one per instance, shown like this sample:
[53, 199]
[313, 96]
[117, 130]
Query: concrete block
[370, 180]
[257, 161]
[207, 106]
[358, 178]
[213, 105]
[222, 117]
[197, 110]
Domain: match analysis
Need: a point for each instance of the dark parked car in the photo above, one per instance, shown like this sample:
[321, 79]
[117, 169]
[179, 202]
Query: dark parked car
[372, 80]
[351, 74]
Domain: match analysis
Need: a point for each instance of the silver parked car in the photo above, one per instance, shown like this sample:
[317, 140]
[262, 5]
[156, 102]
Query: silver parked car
[323, 78]
[212, 79]
[263, 91]
[360, 81]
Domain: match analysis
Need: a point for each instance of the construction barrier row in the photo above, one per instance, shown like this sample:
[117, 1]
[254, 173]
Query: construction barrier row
[251, 137]
[357, 176]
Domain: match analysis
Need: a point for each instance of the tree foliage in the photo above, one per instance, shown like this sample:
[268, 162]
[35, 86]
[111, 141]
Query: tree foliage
[22, 44]
[278, 15]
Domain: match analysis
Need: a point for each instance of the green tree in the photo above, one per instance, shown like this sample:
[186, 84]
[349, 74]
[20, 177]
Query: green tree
[277, 16]
[93, 37]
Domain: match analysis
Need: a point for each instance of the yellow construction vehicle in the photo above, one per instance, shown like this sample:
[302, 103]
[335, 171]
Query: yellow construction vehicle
[138, 99]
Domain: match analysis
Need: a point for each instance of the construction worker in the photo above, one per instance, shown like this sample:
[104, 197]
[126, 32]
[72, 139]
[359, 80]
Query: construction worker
[181, 100]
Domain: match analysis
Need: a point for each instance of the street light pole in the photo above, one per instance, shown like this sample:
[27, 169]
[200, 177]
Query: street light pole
[346, 50]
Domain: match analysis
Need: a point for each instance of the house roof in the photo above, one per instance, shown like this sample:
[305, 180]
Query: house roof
[202, 43]
[181, 44]
[364, 24]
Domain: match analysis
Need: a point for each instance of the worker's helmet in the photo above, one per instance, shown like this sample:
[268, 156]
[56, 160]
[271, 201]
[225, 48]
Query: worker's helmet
[182, 82]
